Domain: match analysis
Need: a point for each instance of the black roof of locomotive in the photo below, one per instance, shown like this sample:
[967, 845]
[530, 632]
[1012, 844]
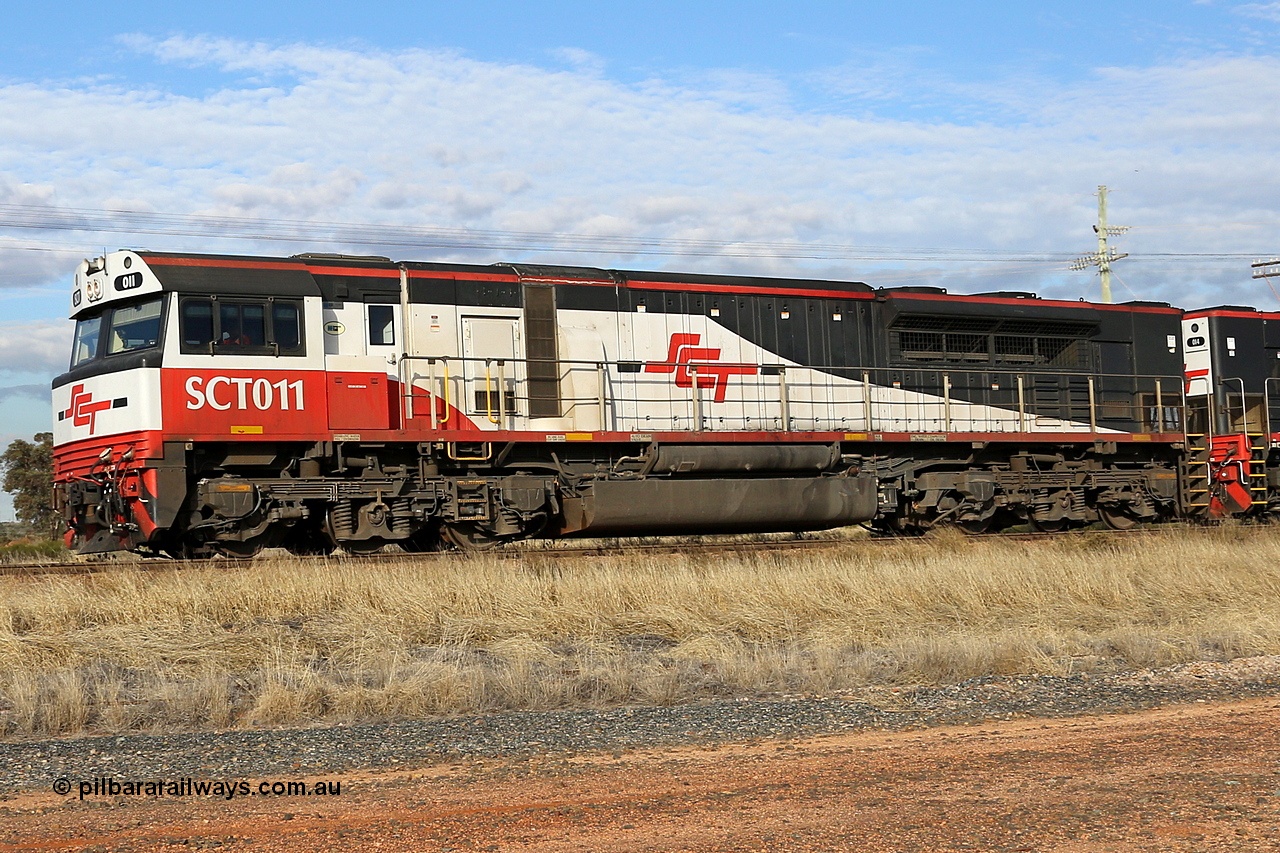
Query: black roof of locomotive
[319, 274]
[1248, 309]
[240, 274]
[747, 281]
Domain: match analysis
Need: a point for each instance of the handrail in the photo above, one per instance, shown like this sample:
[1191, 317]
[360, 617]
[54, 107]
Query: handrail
[600, 395]
[488, 393]
[1022, 404]
[1093, 407]
[1266, 403]
[431, 380]
[502, 391]
[1159, 408]
[1244, 404]
[728, 395]
[769, 368]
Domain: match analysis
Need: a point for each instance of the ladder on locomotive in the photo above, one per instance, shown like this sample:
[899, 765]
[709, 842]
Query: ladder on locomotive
[1197, 474]
[1198, 468]
[1259, 446]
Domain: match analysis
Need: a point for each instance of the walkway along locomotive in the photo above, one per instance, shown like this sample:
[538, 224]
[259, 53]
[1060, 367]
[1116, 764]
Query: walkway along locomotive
[221, 404]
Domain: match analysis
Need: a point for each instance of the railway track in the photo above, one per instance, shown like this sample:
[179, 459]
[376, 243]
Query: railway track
[707, 546]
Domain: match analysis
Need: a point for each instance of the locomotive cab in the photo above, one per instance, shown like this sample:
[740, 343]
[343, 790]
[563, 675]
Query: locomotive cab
[162, 363]
[107, 405]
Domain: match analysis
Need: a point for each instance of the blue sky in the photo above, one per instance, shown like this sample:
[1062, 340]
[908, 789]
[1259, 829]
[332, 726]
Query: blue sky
[971, 40]
[929, 143]
[959, 43]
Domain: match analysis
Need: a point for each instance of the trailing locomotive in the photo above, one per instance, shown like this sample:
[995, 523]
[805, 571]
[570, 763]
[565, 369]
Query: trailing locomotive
[221, 404]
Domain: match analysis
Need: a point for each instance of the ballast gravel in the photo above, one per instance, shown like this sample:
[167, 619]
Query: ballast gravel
[401, 745]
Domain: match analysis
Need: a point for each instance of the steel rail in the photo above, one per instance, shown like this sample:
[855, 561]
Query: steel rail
[523, 551]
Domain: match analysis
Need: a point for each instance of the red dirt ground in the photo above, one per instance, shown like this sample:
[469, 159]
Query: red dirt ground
[1198, 777]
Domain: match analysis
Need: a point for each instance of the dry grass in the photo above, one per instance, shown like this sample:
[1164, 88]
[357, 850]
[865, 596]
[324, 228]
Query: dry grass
[32, 550]
[290, 642]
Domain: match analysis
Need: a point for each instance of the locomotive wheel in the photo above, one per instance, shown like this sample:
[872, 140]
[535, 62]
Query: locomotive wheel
[1003, 519]
[363, 546]
[976, 527]
[467, 537]
[319, 545]
[182, 548]
[1116, 518]
[423, 540]
[309, 539]
[1042, 525]
[238, 550]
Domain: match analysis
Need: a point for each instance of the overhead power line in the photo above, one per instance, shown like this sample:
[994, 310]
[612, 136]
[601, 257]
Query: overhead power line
[205, 226]
[289, 230]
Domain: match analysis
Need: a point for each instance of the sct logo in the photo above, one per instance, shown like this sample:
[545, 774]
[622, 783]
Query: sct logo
[243, 393]
[684, 353]
[83, 410]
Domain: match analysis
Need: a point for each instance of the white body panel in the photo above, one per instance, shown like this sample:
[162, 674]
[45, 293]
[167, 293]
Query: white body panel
[658, 396]
[115, 277]
[105, 405]
[1197, 356]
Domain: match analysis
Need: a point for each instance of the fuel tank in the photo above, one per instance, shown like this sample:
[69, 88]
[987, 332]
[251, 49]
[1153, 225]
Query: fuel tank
[761, 458]
[738, 505]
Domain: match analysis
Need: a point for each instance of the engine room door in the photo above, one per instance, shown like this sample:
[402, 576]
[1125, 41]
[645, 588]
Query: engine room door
[490, 339]
[361, 344]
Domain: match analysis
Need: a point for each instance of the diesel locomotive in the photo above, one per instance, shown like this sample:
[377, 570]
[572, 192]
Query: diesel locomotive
[222, 404]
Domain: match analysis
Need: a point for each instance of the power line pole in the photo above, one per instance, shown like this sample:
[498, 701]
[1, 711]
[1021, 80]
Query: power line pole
[1103, 258]
[1267, 270]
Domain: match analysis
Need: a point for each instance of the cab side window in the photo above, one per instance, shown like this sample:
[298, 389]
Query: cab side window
[197, 325]
[241, 326]
[286, 324]
[382, 331]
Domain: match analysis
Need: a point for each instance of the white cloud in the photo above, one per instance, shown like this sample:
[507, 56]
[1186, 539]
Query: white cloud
[295, 190]
[580, 60]
[30, 355]
[1264, 11]
[39, 348]
[33, 391]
